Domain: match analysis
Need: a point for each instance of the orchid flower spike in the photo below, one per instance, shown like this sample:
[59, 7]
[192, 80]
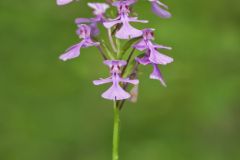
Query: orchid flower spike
[63, 2]
[84, 33]
[126, 31]
[160, 9]
[115, 92]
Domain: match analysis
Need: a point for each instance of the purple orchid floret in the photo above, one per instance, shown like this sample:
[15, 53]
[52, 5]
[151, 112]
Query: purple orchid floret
[63, 2]
[126, 31]
[99, 10]
[160, 9]
[156, 74]
[152, 49]
[74, 51]
[115, 92]
[152, 56]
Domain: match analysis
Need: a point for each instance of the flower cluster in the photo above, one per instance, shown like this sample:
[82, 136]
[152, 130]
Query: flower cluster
[120, 56]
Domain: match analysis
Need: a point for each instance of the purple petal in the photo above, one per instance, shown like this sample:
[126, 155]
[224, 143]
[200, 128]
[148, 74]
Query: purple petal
[128, 32]
[88, 43]
[72, 52]
[94, 29]
[156, 74]
[140, 45]
[162, 47]
[83, 20]
[115, 92]
[102, 81]
[134, 19]
[160, 11]
[99, 8]
[63, 2]
[144, 60]
[110, 24]
[127, 80]
[158, 58]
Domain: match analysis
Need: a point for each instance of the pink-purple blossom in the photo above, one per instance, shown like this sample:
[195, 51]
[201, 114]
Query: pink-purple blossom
[126, 31]
[74, 51]
[152, 56]
[156, 74]
[99, 10]
[115, 92]
[151, 49]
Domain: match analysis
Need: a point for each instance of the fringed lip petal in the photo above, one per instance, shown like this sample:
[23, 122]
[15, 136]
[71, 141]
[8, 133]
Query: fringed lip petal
[115, 92]
[128, 32]
[158, 58]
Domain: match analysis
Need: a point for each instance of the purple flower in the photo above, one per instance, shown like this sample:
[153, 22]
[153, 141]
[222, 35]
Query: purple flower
[160, 9]
[63, 2]
[156, 74]
[115, 92]
[99, 10]
[152, 56]
[151, 49]
[74, 51]
[126, 31]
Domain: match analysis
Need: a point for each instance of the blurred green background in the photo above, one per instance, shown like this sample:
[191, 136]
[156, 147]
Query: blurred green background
[50, 110]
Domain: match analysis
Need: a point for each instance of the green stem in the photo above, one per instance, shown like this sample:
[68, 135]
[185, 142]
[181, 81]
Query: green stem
[101, 52]
[128, 60]
[115, 132]
[111, 40]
